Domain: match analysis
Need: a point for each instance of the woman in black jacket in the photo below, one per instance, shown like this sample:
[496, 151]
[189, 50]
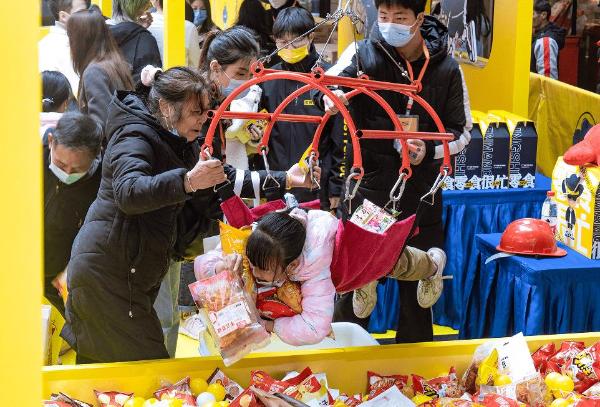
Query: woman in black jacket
[128, 26]
[151, 171]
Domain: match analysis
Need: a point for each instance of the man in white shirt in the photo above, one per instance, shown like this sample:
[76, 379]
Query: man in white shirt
[54, 50]
[192, 40]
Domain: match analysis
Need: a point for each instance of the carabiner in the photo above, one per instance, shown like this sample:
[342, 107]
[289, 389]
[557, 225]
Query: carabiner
[441, 178]
[268, 171]
[350, 195]
[314, 181]
[400, 185]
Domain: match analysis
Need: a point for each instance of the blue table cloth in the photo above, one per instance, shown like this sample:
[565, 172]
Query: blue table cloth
[530, 295]
[465, 214]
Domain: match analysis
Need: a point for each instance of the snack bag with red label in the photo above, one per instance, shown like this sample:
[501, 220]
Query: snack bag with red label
[379, 383]
[247, 399]
[585, 368]
[444, 386]
[180, 390]
[112, 398]
[233, 241]
[309, 388]
[496, 400]
[346, 401]
[232, 388]
[52, 403]
[562, 359]
[542, 355]
[280, 302]
[231, 313]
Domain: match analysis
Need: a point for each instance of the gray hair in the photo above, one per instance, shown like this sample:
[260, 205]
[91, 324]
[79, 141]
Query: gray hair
[78, 131]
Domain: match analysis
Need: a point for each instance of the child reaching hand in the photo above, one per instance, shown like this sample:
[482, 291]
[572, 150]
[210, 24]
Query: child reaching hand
[292, 245]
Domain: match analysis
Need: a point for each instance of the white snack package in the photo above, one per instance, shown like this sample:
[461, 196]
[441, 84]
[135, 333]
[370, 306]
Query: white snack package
[392, 397]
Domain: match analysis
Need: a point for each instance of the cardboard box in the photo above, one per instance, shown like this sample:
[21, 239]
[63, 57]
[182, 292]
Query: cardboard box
[523, 150]
[577, 197]
[495, 157]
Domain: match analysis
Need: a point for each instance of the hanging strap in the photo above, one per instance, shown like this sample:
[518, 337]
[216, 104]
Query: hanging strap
[239, 182]
[256, 186]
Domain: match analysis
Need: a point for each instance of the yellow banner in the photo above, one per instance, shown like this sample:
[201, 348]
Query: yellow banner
[562, 114]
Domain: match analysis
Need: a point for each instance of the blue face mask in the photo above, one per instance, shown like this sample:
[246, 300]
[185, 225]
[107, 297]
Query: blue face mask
[397, 35]
[199, 17]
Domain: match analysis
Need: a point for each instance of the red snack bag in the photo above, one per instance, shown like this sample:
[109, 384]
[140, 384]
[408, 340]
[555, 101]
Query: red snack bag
[377, 381]
[273, 309]
[495, 400]
[247, 399]
[112, 398]
[444, 386]
[263, 381]
[272, 306]
[585, 368]
[353, 401]
[563, 358]
[587, 402]
[180, 390]
[542, 355]
[232, 388]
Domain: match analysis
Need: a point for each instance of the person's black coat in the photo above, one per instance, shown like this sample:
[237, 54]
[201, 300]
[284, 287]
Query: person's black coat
[289, 141]
[123, 250]
[553, 31]
[138, 46]
[65, 207]
[442, 89]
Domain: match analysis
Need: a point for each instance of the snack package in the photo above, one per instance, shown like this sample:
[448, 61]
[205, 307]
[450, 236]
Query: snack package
[564, 356]
[542, 355]
[488, 370]
[443, 386]
[379, 383]
[112, 398]
[392, 397]
[277, 399]
[372, 218]
[62, 400]
[347, 401]
[313, 390]
[532, 392]
[496, 400]
[284, 301]
[232, 388]
[180, 390]
[453, 402]
[231, 316]
[247, 399]
[593, 391]
[233, 241]
[585, 368]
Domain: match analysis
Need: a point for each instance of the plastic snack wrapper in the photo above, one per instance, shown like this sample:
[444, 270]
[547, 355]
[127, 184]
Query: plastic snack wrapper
[542, 355]
[233, 241]
[379, 383]
[279, 302]
[347, 401]
[496, 400]
[180, 390]
[231, 315]
[313, 390]
[232, 388]
[372, 218]
[564, 356]
[112, 398]
[584, 368]
[392, 397]
[443, 386]
[62, 400]
[246, 399]
[532, 392]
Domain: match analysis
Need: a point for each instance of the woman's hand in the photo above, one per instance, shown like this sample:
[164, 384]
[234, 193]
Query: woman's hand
[417, 153]
[298, 178]
[231, 262]
[205, 174]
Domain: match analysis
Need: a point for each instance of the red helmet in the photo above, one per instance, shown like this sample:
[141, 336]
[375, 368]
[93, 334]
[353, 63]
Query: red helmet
[530, 237]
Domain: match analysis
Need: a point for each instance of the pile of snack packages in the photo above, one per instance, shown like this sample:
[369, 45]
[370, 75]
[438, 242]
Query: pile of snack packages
[502, 373]
[231, 305]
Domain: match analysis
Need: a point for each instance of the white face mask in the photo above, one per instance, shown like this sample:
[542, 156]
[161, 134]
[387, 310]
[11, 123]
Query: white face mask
[397, 35]
[65, 178]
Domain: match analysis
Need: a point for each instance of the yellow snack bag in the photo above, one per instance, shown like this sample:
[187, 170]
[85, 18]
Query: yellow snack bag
[488, 370]
[233, 241]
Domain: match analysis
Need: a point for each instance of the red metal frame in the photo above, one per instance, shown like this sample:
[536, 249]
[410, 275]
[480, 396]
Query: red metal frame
[317, 80]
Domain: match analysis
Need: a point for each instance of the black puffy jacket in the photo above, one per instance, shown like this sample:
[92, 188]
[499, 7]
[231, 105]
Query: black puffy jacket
[442, 89]
[289, 141]
[123, 250]
[65, 207]
[138, 46]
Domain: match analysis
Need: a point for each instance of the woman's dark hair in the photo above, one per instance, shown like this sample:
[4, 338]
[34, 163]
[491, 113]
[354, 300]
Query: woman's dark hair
[277, 241]
[189, 12]
[78, 131]
[229, 46]
[253, 15]
[208, 24]
[293, 21]
[176, 86]
[56, 90]
[92, 42]
[417, 6]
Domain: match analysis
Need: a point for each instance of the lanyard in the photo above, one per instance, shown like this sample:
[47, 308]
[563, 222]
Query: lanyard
[410, 103]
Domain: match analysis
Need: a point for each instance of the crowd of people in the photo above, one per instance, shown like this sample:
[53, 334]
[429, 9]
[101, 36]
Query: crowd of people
[129, 196]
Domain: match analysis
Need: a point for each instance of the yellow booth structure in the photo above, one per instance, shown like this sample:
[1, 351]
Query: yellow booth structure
[502, 84]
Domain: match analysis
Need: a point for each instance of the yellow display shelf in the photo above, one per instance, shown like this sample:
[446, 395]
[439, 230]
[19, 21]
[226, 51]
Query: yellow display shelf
[346, 368]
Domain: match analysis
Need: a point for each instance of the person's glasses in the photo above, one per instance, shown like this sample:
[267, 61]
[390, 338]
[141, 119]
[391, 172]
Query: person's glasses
[293, 45]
